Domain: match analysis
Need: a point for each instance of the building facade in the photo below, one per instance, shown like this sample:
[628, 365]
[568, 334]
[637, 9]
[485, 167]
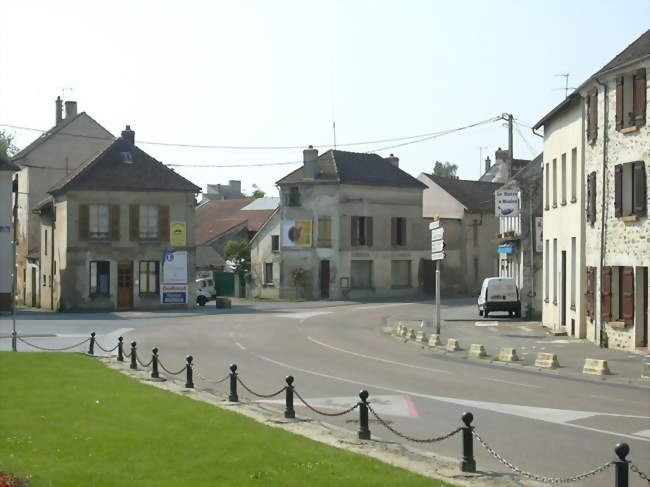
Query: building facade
[7, 251]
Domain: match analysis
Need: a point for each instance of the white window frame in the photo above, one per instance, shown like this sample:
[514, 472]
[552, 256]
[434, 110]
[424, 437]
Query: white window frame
[149, 222]
[99, 222]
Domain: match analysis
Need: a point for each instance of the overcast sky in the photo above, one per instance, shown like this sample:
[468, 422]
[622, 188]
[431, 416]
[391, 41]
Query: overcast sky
[276, 73]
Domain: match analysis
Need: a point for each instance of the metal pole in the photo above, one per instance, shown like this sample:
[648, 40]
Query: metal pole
[14, 285]
[438, 297]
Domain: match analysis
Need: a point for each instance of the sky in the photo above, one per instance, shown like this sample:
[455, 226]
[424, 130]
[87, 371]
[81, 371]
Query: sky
[278, 73]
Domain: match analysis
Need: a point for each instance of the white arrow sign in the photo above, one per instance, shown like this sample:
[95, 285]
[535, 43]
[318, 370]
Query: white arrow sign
[437, 234]
[437, 246]
[437, 255]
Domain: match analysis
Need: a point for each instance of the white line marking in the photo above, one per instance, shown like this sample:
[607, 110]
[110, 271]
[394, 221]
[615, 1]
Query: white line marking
[486, 323]
[379, 306]
[402, 364]
[526, 328]
[645, 433]
[514, 383]
[240, 345]
[303, 315]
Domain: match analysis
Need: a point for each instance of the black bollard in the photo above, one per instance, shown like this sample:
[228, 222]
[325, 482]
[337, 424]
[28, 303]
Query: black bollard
[468, 464]
[154, 363]
[134, 363]
[188, 373]
[621, 465]
[233, 384]
[289, 412]
[364, 431]
[91, 346]
[120, 349]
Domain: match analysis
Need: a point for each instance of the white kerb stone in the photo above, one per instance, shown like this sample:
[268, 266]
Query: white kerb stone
[434, 340]
[477, 350]
[508, 355]
[453, 345]
[646, 370]
[546, 361]
[421, 337]
[411, 334]
[398, 329]
[595, 367]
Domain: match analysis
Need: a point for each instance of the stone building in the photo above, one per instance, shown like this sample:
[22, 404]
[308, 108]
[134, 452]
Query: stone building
[220, 192]
[116, 233]
[617, 161]
[7, 170]
[520, 239]
[351, 227]
[503, 168]
[52, 156]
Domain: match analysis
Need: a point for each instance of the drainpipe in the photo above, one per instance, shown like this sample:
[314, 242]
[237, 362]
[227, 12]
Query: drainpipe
[602, 210]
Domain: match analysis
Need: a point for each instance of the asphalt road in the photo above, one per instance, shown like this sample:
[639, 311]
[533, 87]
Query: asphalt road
[545, 424]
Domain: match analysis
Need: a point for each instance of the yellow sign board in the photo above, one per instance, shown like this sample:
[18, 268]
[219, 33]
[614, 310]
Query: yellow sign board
[178, 234]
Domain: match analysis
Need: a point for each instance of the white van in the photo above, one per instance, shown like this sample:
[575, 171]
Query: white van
[499, 294]
[205, 290]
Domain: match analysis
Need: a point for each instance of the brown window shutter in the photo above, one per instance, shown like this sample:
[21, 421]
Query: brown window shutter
[163, 223]
[354, 231]
[606, 293]
[84, 217]
[591, 198]
[592, 115]
[627, 293]
[640, 203]
[369, 239]
[639, 96]
[618, 190]
[589, 292]
[115, 222]
[588, 209]
[619, 103]
[404, 241]
[393, 231]
[134, 222]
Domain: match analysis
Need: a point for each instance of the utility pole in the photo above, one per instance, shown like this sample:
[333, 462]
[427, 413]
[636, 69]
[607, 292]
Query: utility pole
[480, 159]
[510, 127]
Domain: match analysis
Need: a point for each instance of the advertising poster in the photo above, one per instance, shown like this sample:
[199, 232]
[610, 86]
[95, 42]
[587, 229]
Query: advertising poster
[175, 267]
[173, 294]
[506, 203]
[296, 233]
[178, 234]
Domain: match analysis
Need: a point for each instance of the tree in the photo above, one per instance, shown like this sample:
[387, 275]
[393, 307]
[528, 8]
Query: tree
[445, 169]
[7, 147]
[238, 252]
[257, 193]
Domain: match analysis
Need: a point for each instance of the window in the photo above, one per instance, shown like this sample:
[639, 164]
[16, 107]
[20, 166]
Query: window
[554, 183]
[99, 277]
[606, 294]
[630, 189]
[400, 273]
[546, 172]
[45, 242]
[127, 157]
[292, 197]
[631, 101]
[592, 115]
[268, 273]
[98, 222]
[398, 231]
[574, 174]
[626, 295]
[275, 243]
[361, 274]
[547, 257]
[44, 280]
[591, 198]
[148, 222]
[563, 179]
[590, 292]
[149, 272]
[324, 231]
[554, 271]
[574, 261]
[361, 230]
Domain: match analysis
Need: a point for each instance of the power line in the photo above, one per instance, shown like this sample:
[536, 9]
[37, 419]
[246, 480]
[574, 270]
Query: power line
[530, 147]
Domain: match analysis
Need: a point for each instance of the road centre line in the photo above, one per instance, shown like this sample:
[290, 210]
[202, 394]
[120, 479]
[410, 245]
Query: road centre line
[241, 346]
[514, 383]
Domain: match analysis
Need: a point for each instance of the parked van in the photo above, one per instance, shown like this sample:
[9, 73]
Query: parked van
[499, 294]
[205, 290]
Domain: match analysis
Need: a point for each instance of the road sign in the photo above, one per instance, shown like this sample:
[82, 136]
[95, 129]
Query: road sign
[437, 246]
[433, 225]
[437, 234]
[437, 255]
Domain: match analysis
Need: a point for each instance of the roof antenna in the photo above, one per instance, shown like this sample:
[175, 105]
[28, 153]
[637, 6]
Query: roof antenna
[332, 98]
[63, 90]
[566, 84]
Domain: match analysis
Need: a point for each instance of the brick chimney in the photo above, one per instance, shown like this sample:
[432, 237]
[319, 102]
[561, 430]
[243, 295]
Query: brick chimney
[59, 110]
[393, 160]
[310, 160]
[70, 109]
[128, 135]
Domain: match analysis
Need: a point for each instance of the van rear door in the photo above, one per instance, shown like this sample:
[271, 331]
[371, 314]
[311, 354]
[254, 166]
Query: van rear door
[502, 290]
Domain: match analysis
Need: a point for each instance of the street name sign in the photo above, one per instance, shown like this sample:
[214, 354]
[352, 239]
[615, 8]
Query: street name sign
[437, 255]
[437, 246]
[437, 234]
[435, 224]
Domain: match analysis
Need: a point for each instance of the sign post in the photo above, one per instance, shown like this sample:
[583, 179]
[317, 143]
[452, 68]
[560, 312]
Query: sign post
[437, 254]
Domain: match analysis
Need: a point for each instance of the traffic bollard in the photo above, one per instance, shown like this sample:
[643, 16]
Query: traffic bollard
[621, 465]
[364, 431]
[120, 349]
[289, 412]
[91, 346]
[468, 463]
[154, 363]
[134, 363]
[233, 384]
[188, 372]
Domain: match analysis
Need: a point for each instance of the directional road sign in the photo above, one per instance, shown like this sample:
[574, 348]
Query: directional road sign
[435, 224]
[437, 255]
[437, 246]
[437, 234]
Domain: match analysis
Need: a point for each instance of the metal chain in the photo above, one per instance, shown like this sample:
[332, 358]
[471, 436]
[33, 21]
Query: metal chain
[104, 350]
[200, 376]
[636, 470]
[126, 354]
[410, 438]
[142, 363]
[168, 371]
[260, 395]
[541, 478]
[323, 412]
[53, 349]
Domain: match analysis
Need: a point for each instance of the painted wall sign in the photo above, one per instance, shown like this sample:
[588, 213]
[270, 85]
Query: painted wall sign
[506, 203]
[296, 233]
[178, 234]
[175, 267]
[173, 294]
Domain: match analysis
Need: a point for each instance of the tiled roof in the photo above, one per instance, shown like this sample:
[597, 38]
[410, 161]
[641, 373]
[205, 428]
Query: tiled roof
[476, 196]
[216, 217]
[355, 168]
[106, 171]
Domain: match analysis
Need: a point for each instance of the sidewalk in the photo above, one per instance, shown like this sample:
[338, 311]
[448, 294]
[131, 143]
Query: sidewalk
[528, 338]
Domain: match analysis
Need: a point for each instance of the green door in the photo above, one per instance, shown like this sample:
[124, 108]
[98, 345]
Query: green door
[224, 283]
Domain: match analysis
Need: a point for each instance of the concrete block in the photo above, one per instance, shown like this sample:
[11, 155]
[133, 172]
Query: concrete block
[398, 329]
[595, 367]
[404, 332]
[222, 302]
[477, 350]
[646, 370]
[421, 337]
[508, 355]
[410, 334]
[434, 340]
[453, 345]
[546, 361]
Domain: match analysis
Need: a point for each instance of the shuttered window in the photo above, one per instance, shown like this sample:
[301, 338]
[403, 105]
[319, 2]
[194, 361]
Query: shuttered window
[361, 230]
[99, 222]
[361, 274]
[400, 273]
[398, 231]
[590, 292]
[606, 294]
[325, 231]
[149, 222]
[592, 116]
[149, 277]
[630, 189]
[631, 100]
[626, 294]
[591, 198]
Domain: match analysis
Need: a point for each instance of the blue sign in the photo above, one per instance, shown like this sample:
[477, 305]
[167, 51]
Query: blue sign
[5, 228]
[505, 250]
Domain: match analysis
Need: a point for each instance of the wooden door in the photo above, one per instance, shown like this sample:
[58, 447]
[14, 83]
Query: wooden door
[125, 285]
[324, 278]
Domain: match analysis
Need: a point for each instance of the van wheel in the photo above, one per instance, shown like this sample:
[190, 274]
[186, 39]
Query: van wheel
[480, 312]
[485, 313]
[201, 300]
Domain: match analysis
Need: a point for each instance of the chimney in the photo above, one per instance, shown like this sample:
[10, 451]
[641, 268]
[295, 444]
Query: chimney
[128, 135]
[501, 155]
[393, 160]
[488, 163]
[310, 159]
[70, 109]
[235, 187]
[59, 110]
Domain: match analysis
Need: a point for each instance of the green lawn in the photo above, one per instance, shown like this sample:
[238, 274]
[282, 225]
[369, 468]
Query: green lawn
[67, 420]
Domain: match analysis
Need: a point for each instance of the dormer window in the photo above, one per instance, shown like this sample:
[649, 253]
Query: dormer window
[127, 157]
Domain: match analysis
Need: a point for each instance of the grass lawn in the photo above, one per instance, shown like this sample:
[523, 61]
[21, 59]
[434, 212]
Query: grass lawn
[67, 420]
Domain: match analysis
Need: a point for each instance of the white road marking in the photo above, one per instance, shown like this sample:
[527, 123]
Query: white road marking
[514, 383]
[526, 328]
[303, 315]
[486, 323]
[645, 433]
[561, 340]
[493, 329]
[240, 345]
[375, 306]
[402, 364]
[115, 333]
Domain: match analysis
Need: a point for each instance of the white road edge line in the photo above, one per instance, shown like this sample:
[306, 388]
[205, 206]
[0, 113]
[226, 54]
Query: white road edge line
[514, 383]
[240, 346]
[402, 364]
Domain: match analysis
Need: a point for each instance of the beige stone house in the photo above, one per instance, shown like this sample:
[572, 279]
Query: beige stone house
[116, 233]
[349, 226]
[74, 138]
[7, 170]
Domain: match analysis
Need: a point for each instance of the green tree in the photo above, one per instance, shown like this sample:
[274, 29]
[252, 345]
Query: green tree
[238, 252]
[258, 193]
[445, 169]
[7, 147]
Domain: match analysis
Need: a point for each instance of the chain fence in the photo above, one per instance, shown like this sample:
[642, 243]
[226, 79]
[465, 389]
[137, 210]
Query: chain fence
[323, 413]
[213, 381]
[104, 349]
[386, 425]
[265, 396]
[49, 349]
[162, 366]
[142, 363]
[636, 470]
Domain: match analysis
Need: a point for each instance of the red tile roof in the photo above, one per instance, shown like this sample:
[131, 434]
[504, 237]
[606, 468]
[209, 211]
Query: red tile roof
[216, 217]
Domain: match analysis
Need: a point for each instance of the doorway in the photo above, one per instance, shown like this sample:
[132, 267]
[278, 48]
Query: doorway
[563, 290]
[644, 290]
[125, 285]
[324, 278]
[34, 283]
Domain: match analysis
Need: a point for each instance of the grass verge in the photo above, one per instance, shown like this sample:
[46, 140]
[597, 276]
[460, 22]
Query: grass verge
[67, 420]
